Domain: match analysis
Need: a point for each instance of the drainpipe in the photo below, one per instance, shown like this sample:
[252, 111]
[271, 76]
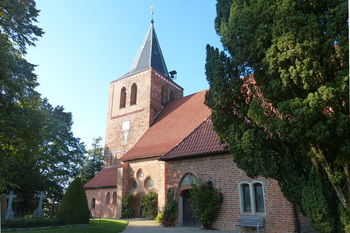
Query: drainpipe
[297, 222]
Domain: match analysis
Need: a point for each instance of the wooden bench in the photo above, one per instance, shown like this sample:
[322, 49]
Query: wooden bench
[94, 217]
[250, 221]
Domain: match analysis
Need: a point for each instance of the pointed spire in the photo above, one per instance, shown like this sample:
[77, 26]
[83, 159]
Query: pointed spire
[149, 55]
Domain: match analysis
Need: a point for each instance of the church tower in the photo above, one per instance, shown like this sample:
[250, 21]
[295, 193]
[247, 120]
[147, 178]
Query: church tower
[136, 98]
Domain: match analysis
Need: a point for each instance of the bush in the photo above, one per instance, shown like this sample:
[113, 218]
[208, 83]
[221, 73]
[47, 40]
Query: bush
[170, 211]
[205, 201]
[74, 207]
[127, 206]
[159, 218]
[149, 202]
[30, 222]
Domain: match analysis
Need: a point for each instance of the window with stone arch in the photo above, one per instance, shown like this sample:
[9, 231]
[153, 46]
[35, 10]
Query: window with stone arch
[122, 98]
[108, 197]
[252, 197]
[93, 203]
[149, 183]
[114, 200]
[188, 180]
[163, 95]
[172, 96]
[133, 96]
[140, 174]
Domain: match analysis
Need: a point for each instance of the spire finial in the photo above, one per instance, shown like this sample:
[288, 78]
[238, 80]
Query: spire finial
[152, 12]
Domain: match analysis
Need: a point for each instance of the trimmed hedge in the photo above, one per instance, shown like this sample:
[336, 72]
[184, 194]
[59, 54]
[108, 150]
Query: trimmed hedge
[74, 207]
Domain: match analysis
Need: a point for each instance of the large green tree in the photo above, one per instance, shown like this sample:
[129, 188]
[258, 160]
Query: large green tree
[288, 118]
[52, 162]
[93, 162]
[38, 151]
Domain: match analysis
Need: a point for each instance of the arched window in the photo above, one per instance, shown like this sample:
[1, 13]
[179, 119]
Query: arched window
[93, 203]
[252, 197]
[246, 198]
[122, 98]
[163, 96]
[108, 197]
[188, 179]
[133, 96]
[259, 197]
[172, 96]
[114, 201]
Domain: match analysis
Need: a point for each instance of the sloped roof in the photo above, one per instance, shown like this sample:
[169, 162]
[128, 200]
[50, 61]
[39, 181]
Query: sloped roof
[149, 55]
[203, 140]
[108, 176]
[175, 122]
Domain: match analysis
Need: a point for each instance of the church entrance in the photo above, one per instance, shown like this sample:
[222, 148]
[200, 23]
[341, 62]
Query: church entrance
[188, 218]
[136, 206]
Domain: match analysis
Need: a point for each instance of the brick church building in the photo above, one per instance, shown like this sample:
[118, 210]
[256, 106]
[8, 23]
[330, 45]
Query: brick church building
[157, 140]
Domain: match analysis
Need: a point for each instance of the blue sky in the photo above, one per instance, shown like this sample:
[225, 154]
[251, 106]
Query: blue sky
[89, 43]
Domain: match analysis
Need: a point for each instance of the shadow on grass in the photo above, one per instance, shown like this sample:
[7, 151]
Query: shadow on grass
[106, 226]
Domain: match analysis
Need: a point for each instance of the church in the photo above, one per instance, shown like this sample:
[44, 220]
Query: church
[158, 140]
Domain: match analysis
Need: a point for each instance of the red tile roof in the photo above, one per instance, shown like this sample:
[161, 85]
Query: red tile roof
[175, 122]
[203, 140]
[106, 177]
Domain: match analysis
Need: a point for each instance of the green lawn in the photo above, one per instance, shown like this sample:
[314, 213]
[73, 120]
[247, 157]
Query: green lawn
[106, 226]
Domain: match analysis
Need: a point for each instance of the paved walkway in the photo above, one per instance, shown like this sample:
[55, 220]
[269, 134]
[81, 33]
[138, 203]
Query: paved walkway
[139, 225]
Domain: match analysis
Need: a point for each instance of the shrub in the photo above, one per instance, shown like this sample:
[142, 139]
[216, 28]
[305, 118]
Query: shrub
[74, 207]
[159, 218]
[170, 211]
[149, 202]
[205, 201]
[127, 205]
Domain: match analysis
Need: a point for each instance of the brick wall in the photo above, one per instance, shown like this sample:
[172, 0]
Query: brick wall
[148, 104]
[226, 176]
[101, 207]
[152, 168]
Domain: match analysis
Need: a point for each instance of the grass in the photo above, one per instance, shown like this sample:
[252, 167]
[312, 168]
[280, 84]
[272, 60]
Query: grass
[106, 226]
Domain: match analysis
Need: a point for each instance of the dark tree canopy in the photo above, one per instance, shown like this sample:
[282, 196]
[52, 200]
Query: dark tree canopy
[288, 119]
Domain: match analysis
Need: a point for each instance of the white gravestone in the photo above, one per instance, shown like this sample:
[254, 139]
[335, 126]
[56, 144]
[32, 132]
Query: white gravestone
[9, 213]
[39, 212]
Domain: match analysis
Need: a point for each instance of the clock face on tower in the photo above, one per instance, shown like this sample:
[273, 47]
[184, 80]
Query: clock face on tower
[155, 52]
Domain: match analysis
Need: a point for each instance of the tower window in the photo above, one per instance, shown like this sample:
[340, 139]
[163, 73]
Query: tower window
[163, 95]
[133, 96]
[122, 98]
[172, 96]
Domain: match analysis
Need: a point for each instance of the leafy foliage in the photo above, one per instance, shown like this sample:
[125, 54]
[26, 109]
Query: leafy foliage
[170, 211]
[74, 207]
[289, 115]
[205, 202]
[38, 150]
[149, 202]
[127, 205]
[54, 158]
[19, 116]
[93, 162]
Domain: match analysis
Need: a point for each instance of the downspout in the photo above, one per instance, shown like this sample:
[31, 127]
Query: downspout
[297, 222]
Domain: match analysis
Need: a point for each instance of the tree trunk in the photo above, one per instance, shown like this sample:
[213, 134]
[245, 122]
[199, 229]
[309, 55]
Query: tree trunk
[324, 163]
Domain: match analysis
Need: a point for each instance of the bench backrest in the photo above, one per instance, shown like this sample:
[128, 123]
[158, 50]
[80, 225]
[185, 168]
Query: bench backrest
[250, 221]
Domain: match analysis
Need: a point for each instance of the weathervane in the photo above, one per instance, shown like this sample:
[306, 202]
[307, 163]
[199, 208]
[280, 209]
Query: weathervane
[152, 11]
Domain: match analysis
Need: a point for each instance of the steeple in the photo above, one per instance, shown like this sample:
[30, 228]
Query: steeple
[149, 55]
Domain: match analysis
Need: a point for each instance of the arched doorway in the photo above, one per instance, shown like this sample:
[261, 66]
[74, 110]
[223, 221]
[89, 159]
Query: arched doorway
[136, 206]
[188, 217]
